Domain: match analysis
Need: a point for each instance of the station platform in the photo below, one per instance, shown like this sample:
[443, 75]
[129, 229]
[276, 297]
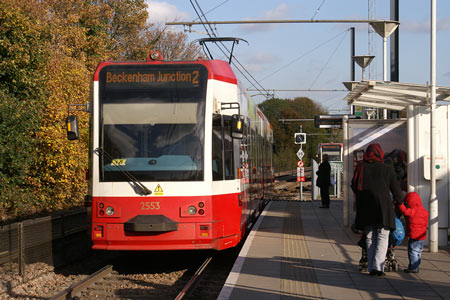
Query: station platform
[298, 250]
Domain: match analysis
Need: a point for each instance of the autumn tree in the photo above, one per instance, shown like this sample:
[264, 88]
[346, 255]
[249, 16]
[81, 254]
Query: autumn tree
[173, 45]
[299, 108]
[23, 57]
[49, 50]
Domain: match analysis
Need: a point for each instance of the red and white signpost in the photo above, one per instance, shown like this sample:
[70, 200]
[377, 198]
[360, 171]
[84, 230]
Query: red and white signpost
[300, 177]
[300, 139]
[300, 171]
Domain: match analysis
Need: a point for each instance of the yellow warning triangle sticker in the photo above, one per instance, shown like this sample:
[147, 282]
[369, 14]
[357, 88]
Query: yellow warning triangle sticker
[158, 190]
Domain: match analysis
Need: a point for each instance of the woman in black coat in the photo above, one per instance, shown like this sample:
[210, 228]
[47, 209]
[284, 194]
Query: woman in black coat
[372, 183]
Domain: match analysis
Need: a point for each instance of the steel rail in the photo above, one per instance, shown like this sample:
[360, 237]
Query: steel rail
[188, 288]
[76, 288]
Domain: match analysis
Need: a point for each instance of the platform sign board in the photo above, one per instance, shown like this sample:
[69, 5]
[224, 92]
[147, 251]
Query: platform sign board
[358, 111]
[331, 121]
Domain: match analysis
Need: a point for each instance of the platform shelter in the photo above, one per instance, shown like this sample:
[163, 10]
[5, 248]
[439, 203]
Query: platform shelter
[411, 135]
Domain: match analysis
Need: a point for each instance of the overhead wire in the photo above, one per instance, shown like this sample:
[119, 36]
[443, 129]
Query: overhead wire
[329, 59]
[200, 18]
[317, 10]
[212, 9]
[334, 101]
[303, 55]
[236, 60]
[213, 34]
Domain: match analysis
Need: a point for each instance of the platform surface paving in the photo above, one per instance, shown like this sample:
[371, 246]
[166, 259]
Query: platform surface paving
[300, 251]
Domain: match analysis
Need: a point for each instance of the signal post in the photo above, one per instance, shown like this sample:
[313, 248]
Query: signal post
[300, 139]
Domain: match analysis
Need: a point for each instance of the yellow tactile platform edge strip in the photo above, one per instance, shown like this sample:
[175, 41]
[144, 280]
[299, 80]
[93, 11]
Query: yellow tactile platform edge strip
[298, 277]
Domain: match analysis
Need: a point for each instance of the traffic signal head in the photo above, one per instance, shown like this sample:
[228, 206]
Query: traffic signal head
[300, 138]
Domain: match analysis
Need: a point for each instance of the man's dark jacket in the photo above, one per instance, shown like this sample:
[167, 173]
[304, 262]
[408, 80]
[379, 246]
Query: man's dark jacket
[323, 175]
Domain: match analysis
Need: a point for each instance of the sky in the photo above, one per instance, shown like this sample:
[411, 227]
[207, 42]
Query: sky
[316, 56]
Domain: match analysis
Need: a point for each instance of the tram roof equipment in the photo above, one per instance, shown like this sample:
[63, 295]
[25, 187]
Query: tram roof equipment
[392, 95]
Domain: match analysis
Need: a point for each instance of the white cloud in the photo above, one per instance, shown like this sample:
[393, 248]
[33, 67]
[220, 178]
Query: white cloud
[424, 26]
[415, 26]
[278, 13]
[282, 11]
[259, 61]
[161, 12]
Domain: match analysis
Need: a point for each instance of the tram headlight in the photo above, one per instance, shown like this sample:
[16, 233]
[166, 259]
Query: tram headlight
[109, 211]
[192, 210]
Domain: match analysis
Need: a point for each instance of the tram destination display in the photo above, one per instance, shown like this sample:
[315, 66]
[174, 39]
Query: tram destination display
[126, 76]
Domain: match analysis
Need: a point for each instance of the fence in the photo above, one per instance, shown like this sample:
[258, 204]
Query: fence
[34, 246]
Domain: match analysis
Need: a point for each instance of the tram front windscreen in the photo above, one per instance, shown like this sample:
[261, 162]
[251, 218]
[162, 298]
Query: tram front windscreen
[152, 122]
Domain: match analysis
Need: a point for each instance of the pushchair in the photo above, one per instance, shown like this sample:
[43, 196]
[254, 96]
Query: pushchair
[390, 263]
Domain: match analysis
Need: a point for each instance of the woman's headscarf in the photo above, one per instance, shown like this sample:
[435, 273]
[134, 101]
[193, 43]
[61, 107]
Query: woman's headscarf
[373, 153]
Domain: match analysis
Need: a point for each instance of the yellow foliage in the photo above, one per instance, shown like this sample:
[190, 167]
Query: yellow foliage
[76, 35]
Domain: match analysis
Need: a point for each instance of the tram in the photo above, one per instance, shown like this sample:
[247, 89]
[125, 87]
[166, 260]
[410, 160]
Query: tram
[335, 151]
[180, 156]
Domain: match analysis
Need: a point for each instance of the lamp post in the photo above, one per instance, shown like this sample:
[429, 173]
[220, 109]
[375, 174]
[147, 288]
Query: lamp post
[433, 202]
[384, 29]
[363, 61]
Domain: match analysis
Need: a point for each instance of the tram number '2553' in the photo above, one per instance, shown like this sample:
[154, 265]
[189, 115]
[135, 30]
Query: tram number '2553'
[150, 206]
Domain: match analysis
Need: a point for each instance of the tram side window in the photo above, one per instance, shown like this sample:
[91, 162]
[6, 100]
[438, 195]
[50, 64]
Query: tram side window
[252, 160]
[217, 161]
[228, 149]
[222, 149]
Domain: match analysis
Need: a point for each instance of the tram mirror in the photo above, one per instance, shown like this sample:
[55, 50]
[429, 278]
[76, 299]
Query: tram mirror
[237, 126]
[72, 128]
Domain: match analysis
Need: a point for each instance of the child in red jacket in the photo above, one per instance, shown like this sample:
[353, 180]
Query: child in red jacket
[416, 229]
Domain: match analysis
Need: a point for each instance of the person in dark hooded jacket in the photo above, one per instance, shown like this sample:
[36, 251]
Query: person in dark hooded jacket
[372, 182]
[323, 181]
[416, 229]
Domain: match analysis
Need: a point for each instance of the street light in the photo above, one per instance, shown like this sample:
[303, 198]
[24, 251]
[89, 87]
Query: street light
[363, 61]
[384, 29]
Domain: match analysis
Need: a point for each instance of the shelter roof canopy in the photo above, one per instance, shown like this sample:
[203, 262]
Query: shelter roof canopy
[392, 95]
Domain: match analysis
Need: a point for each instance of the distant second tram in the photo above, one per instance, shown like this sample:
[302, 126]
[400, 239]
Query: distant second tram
[334, 151]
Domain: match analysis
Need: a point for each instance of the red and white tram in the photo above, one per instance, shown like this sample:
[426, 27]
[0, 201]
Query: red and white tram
[180, 157]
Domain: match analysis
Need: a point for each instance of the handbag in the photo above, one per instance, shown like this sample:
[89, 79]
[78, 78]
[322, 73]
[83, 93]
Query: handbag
[399, 233]
[332, 181]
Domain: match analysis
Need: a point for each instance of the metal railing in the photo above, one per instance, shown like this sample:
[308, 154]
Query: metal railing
[34, 246]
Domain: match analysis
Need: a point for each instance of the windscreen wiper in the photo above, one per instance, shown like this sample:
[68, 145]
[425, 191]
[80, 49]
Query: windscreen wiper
[137, 185]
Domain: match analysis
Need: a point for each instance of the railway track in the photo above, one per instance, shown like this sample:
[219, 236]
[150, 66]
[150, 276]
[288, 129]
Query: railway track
[109, 283]
[287, 188]
[192, 283]
[143, 273]
[74, 291]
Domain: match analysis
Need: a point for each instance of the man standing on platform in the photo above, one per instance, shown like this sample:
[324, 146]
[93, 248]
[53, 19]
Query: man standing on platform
[323, 181]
